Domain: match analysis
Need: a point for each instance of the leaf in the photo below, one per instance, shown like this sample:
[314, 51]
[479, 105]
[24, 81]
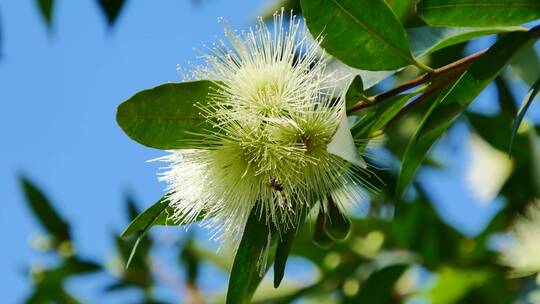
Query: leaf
[527, 100]
[165, 117]
[246, 273]
[478, 13]
[379, 286]
[426, 40]
[46, 10]
[158, 214]
[111, 9]
[355, 92]
[337, 226]
[320, 238]
[282, 254]
[378, 115]
[362, 34]
[44, 211]
[526, 64]
[450, 104]
[453, 284]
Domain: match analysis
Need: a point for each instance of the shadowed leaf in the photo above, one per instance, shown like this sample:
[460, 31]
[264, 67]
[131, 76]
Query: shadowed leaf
[449, 105]
[111, 9]
[44, 211]
[527, 100]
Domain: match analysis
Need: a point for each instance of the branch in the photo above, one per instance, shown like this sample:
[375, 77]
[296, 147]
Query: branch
[454, 68]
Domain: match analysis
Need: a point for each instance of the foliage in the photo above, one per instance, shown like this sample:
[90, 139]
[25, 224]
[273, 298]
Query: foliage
[372, 258]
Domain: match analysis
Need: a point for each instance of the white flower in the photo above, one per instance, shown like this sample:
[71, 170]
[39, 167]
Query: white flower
[274, 117]
[522, 251]
[488, 171]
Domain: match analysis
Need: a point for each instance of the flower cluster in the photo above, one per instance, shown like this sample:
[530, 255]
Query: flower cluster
[273, 144]
[522, 251]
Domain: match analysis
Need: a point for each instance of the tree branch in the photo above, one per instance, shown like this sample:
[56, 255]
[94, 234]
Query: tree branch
[454, 68]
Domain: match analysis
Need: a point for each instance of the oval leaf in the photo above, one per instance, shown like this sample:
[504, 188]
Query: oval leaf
[165, 117]
[450, 105]
[478, 13]
[363, 34]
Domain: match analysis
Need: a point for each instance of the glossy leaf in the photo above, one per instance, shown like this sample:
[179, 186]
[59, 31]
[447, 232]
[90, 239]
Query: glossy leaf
[165, 117]
[246, 272]
[44, 211]
[478, 13]
[362, 34]
[337, 226]
[451, 104]
[426, 40]
[111, 9]
[377, 116]
[527, 100]
[46, 10]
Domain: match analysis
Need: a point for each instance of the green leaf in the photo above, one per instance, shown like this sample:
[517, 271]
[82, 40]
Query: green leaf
[159, 214]
[111, 9]
[44, 211]
[320, 238]
[426, 40]
[478, 13]
[527, 100]
[380, 285]
[282, 254]
[378, 115]
[449, 105]
[337, 226]
[526, 64]
[246, 273]
[362, 34]
[355, 92]
[46, 10]
[165, 117]
[453, 284]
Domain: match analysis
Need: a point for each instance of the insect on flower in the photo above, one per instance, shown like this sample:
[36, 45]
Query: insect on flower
[280, 140]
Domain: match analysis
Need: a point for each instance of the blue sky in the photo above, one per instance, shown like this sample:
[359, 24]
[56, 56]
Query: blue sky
[58, 95]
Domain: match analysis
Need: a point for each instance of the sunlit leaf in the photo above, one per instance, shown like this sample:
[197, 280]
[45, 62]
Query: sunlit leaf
[363, 34]
[478, 13]
[165, 117]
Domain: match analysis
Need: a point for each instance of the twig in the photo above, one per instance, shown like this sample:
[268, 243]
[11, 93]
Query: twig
[431, 91]
[455, 67]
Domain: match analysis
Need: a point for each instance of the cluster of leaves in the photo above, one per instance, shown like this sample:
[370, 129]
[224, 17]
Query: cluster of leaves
[369, 259]
[369, 36]
[65, 262]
